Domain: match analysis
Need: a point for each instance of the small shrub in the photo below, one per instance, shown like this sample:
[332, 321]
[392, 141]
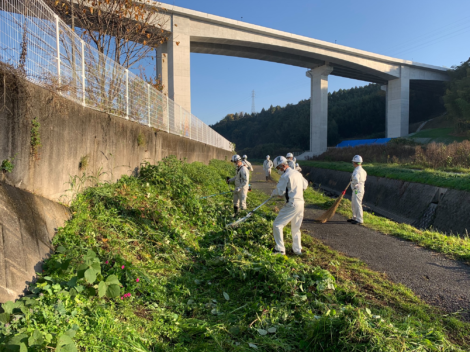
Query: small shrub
[7, 165]
[35, 136]
[82, 165]
[141, 140]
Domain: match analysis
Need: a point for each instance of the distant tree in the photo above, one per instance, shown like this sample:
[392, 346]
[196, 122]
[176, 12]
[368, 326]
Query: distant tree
[457, 98]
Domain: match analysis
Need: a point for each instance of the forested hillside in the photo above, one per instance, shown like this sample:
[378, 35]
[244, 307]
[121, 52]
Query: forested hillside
[352, 113]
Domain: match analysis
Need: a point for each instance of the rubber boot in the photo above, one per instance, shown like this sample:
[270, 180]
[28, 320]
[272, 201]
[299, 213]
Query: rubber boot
[235, 209]
[266, 178]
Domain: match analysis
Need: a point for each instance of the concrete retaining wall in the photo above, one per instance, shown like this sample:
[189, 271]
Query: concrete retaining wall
[424, 206]
[72, 136]
[27, 226]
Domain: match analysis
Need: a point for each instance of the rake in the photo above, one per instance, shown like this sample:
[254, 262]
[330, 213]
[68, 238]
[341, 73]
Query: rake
[239, 221]
[327, 215]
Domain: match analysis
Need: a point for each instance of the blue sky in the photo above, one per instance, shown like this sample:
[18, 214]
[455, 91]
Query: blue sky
[435, 32]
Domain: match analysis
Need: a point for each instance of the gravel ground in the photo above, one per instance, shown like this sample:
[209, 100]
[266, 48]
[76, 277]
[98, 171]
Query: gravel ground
[439, 281]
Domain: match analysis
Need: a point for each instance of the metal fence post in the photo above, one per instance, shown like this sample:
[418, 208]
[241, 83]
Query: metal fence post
[181, 122]
[83, 73]
[127, 94]
[57, 34]
[168, 113]
[148, 101]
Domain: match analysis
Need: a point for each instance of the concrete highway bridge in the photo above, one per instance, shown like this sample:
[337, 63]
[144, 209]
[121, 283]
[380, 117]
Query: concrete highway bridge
[197, 32]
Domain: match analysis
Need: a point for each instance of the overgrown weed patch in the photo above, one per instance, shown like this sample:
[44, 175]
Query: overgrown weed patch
[146, 265]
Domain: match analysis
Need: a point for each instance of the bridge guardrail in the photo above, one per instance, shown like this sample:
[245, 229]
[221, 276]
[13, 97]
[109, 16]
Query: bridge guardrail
[34, 37]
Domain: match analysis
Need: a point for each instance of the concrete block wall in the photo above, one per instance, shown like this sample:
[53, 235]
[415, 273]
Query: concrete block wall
[27, 225]
[405, 202]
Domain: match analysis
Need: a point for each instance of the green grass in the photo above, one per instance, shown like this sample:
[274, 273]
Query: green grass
[438, 135]
[146, 265]
[454, 180]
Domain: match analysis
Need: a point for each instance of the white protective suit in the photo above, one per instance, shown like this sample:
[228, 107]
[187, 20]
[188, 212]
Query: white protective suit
[267, 166]
[241, 181]
[291, 164]
[358, 180]
[298, 168]
[291, 184]
[247, 164]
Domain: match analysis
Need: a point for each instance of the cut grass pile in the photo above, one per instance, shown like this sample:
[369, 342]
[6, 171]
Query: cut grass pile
[453, 246]
[146, 265]
[455, 180]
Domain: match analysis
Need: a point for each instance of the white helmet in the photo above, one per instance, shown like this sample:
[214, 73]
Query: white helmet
[280, 160]
[267, 157]
[357, 159]
[289, 155]
[244, 157]
[235, 158]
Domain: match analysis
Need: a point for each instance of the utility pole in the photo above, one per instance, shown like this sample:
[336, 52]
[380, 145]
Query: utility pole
[253, 109]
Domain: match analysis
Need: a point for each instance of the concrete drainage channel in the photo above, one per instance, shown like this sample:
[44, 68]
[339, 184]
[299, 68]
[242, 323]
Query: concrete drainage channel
[420, 205]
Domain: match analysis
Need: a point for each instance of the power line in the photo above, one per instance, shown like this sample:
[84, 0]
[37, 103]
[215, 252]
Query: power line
[430, 34]
[430, 42]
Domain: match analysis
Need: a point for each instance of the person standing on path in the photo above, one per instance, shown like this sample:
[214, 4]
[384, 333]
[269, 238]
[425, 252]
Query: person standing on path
[290, 160]
[241, 181]
[267, 166]
[291, 185]
[358, 180]
[247, 163]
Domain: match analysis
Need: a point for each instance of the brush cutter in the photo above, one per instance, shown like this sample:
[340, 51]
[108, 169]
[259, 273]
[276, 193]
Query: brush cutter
[239, 221]
[327, 215]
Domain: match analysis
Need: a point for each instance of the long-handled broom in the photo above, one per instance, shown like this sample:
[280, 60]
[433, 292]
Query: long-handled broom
[327, 215]
[239, 221]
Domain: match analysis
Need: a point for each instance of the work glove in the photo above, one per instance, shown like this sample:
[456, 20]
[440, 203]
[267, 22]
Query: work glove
[274, 193]
[238, 189]
[227, 179]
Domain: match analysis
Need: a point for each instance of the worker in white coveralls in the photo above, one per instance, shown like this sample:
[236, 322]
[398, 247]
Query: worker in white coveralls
[241, 181]
[291, 185]
[267, 166]
[358, 180]
[247, 163]
[298, 168]
[290, 160]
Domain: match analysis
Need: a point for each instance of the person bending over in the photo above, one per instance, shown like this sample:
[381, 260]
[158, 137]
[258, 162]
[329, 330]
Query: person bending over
[291, 185]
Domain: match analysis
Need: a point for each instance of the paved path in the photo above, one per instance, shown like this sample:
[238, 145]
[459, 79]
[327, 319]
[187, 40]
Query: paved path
[437, 280]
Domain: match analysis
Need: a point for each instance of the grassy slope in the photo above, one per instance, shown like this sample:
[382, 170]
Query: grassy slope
[439, 135]
[195, 286]
[460, 181]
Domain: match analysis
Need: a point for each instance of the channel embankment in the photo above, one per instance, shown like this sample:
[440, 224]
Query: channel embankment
[54, 141]
[417, 204]
[56, 148]
[27, 225]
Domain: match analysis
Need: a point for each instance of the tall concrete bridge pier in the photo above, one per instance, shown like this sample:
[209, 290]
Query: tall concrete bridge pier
[197, 32]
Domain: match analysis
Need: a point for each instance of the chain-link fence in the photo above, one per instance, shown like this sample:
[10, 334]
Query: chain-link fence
[34, 38]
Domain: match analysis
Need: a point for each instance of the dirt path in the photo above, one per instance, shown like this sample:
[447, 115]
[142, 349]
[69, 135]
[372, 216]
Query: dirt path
[437, 280]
